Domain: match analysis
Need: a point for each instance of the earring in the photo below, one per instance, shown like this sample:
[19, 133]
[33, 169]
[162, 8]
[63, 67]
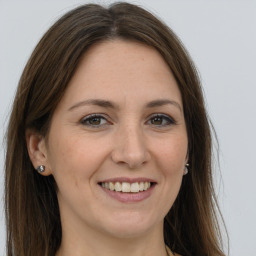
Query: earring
[186, 169]
[40, 168]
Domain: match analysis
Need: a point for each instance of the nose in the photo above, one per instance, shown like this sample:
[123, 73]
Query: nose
[130, 148]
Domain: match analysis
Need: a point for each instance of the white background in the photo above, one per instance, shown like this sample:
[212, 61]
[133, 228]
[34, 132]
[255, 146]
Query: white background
[221, 38]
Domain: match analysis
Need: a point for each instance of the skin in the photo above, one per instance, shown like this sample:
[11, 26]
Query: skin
[126, 141]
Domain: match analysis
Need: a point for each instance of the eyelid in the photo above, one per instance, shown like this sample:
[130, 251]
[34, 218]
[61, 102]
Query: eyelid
[95, 115]
[170, 119]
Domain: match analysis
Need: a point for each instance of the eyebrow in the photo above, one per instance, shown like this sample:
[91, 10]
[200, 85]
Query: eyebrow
[109, 104]
[163, 102]
[95, 102]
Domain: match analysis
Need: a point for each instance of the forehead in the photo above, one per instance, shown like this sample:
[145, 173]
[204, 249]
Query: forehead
[122, 70]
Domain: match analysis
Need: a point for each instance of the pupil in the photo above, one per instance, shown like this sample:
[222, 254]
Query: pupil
[157, 120]
[95, 121]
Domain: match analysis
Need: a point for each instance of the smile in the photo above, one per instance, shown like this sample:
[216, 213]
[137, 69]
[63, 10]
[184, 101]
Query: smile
[126, 187]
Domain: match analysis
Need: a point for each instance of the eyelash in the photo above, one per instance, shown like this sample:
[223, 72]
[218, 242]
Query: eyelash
[169, 120]
[161, 117]
[85, 121]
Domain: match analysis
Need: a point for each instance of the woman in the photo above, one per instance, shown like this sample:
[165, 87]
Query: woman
[108, 145]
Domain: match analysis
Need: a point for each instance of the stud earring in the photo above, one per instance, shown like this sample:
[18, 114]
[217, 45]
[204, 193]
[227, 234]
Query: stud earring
[40, 168]
[186, 169]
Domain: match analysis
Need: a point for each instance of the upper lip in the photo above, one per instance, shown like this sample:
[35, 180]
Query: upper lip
[127, 179]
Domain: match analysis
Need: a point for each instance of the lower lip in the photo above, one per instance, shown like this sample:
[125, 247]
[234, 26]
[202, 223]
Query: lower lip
[129, 197]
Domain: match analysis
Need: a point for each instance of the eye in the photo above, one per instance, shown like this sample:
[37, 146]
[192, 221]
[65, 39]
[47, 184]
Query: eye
[161, 120]
[94, 120]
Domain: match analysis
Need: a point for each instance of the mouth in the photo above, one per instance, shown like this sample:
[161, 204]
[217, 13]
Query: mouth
[127, 187]
[128, 190]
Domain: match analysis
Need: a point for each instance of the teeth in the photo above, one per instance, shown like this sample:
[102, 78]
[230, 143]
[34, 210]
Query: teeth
[135, 188]
[118, 187]
[111, 186]
[147, 185]
[126, 187]
[141, 186]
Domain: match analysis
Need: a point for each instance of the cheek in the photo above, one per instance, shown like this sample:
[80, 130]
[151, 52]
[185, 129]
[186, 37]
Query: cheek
[73, 163]
[75, 157]
[172, 155]
[171, 161]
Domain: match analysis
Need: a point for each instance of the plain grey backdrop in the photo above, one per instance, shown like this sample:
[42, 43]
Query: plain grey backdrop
[221, 38]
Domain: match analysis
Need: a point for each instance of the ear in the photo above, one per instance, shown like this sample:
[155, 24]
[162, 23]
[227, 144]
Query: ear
[37, 150]
[187, 157]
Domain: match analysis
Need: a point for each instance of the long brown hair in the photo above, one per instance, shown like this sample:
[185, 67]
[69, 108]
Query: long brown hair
[32, 214]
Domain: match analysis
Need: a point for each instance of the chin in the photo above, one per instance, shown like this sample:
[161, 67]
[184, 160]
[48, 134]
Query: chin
[132, 225]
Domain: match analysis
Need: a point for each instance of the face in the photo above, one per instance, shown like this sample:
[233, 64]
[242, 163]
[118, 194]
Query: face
[117, 144]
